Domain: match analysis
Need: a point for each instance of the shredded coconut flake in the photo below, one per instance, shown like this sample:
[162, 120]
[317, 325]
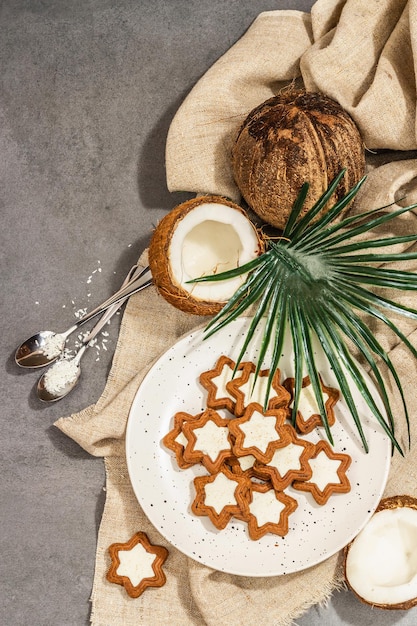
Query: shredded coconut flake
[60, 375]
[53, 345]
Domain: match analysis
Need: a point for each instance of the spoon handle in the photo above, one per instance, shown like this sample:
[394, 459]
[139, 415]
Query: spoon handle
[96, 329]
[141, 279]
[134, 273]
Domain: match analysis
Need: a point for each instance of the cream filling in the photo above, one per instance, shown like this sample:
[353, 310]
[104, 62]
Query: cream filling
[259, 431]
[265, 507]
[257, 392]
[246, 462]
[181, 439]
[136, 564]
[221, 380]
[220, 493]
[307, 404]
[211, 439]
[287, 458]
[324, 470]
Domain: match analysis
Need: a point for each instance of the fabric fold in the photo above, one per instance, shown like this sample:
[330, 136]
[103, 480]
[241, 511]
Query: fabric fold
[262, 61]
[373, 78]
[361, 54]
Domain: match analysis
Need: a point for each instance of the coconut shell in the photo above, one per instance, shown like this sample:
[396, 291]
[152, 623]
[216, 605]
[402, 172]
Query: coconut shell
[159, 254]
[293, 138]
[392, 502]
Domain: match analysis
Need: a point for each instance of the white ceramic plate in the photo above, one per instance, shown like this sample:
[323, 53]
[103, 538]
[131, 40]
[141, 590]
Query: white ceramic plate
[165, 492]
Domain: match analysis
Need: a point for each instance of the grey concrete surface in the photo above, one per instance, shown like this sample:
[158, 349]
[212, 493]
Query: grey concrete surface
[88, 89]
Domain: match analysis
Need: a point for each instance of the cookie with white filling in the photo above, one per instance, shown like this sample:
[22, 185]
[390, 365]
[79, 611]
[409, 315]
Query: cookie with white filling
[328, 473]
[258, 431]
[208, 440]
[308, 414]
[247, 388]
[137, 564]
[220, 496]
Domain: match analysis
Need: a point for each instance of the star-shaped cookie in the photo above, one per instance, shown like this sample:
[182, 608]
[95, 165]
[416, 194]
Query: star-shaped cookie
[175, 439]
[246, 389]
[289, 462]
[308, 414]
[215, 383]
[137, 564]
[268, 511]
[220, 496]
[258, 431]
[328, 473]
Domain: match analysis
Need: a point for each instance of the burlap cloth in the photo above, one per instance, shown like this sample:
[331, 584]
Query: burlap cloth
[363, 55]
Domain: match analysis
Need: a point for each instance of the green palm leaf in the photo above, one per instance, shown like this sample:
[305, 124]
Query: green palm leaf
[364, 228]
[340, 374]
[366, 343]
[376, 243]
[317, 281]
[307, 228]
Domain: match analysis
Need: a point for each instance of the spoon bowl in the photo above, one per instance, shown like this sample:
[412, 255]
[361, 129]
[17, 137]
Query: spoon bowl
[53, 394]
[40, 349]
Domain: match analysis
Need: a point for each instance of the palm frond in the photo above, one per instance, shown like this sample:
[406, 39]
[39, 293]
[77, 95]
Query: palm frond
[281, 317]
[309, 228]
[340, 374]
[393, 279]
[376, 243]
[367, 344]
[331, 242]
[341, 224]
[296, 210]
[374, 257]
[245, 296]
[260, 311]
[359, 380]
[304, 328]
[316, 283]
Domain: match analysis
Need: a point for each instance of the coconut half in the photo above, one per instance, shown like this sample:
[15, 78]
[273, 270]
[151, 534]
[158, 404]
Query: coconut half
[203, 236]
[381, 562]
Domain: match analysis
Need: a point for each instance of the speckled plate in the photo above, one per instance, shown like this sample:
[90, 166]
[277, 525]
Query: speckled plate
[165, 492]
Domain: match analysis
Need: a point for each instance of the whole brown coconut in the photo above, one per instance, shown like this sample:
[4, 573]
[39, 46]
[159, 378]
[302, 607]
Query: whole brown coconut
[203, 236]
[293, 138]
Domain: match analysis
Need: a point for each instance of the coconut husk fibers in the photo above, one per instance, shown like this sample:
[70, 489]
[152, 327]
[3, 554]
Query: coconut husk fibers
[345, 49]
[294, 137]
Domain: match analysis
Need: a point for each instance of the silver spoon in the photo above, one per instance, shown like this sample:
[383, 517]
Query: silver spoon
[69, 369]
[46, 346]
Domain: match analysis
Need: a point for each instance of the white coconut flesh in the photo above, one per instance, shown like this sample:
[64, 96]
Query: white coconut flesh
[381, 564]
[210, 239]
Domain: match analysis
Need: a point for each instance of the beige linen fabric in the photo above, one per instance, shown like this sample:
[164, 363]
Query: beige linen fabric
[273, 51]
[362, 54]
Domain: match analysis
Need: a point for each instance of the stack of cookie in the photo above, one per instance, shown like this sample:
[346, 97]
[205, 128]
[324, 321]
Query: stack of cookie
[252, 455]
